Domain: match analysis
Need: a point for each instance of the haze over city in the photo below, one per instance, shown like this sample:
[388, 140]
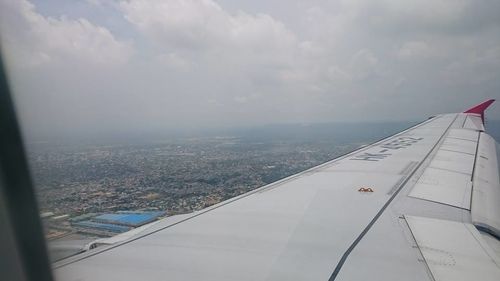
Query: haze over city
[116, 66]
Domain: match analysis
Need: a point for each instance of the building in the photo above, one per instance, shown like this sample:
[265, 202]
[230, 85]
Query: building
[131, 219]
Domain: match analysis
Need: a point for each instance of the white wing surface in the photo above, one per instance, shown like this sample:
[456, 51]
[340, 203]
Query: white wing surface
[423, 204]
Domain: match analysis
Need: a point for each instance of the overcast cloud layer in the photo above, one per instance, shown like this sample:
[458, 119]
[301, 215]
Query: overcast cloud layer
[154, 65]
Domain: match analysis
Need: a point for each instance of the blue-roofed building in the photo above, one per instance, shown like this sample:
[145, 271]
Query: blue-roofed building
[129, 219]
[114, 223]
[102, 226]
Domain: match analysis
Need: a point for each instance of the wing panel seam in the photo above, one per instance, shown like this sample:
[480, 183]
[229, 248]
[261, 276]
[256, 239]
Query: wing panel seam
[381, 211]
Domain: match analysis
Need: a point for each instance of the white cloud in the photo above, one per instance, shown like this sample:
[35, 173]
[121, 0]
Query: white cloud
[206, 62]
[364, 64]
[414, 50]
[204, 24]
[95, 2]
[477, 68]
[247, 53]
[176, 62]
[202, 27]
[414, 15]
[32, 39]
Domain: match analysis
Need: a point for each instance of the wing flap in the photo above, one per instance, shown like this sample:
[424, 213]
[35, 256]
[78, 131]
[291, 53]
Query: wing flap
[454, 250]
[444, 187]
[485, 209]
[448, 178]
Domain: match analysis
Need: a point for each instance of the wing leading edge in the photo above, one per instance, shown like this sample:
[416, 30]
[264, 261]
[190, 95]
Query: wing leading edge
[434, 204]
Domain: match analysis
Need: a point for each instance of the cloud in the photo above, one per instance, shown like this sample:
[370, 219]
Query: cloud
[246, 54]
[479, 68]
[194, 24]
[32, 39]
[423, 16]
[414, 50]
[204, 30]
[175, 63]
[364, 64]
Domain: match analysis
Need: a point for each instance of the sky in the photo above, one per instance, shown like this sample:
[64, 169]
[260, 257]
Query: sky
[142, 65]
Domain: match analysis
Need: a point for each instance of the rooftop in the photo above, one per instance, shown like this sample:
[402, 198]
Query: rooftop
[129, 219]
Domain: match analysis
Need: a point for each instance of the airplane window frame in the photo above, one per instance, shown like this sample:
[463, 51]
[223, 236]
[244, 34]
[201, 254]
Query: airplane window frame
[21, 224]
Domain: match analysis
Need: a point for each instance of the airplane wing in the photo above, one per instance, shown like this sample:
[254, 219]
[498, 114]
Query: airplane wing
[423, 204]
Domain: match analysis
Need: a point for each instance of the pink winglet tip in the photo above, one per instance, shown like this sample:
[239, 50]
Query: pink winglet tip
[480, 108]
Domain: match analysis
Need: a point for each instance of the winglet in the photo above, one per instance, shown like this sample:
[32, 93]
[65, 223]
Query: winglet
[480, 108]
